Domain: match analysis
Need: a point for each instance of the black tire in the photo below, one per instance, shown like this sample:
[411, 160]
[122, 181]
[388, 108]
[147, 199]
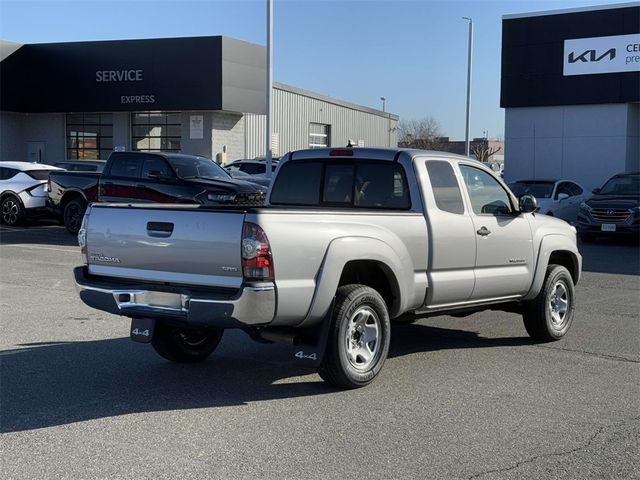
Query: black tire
[73, 213]
[542, 316]
[185, 345]
[12, 212]
[358, 309]
[587, 237]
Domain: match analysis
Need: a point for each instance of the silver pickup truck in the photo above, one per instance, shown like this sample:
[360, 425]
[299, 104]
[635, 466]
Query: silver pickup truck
[349, 240]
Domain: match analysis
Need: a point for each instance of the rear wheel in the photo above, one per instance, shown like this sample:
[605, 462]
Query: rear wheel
[73, 213]
[11, 211]
[185, 345]
[358, 341]
[549, 316]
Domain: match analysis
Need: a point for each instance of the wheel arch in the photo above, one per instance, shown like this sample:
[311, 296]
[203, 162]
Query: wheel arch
[555, 249]
[11, 193]
[364, 260]
[70, 195]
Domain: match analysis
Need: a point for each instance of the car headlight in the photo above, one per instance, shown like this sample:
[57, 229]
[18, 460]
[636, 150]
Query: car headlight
[584, 207]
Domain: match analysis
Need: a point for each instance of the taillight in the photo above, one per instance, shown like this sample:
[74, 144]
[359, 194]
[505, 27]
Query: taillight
[82, 239]
[48, 186]
[257, 264]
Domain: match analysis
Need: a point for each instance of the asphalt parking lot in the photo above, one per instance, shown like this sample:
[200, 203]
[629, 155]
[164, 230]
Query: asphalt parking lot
[458, 398]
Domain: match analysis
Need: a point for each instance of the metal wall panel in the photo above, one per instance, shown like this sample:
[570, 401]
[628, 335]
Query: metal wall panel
[293, 112]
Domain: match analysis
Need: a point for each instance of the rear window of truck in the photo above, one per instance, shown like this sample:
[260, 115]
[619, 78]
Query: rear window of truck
[348, 184]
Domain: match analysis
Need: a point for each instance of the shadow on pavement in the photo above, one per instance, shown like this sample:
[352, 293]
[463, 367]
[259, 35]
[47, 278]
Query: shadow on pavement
[37, 232]
[59, 383]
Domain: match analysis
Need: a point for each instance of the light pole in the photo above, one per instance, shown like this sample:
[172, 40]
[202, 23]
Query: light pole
[384, 101]
[268, 135]
[469, 59]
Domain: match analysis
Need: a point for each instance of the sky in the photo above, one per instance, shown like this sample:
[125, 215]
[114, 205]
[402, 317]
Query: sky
[413, 53]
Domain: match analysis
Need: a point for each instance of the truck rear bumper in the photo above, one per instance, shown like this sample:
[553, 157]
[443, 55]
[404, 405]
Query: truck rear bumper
[254, 305]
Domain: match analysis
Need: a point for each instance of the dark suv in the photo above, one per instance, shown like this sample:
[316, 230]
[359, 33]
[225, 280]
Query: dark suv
[614, 209]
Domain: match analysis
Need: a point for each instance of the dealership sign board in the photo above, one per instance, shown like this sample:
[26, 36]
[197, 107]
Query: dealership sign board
[586, 56]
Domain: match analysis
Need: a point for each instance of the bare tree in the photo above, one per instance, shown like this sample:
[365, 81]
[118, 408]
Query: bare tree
[424, 133]
[483, 152]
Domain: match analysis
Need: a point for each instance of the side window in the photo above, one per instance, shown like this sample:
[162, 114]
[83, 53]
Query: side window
[126, 167]
[575, 189]
[253, 168]
[446, 190]
[563, 188]
[156, 164]
[8, 173]
[486, 194]
[233, 168]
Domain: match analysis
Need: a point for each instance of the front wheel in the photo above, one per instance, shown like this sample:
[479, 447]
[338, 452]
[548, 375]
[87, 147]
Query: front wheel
[185, 345]
[12, 211]
[548, 316]
[358, 341]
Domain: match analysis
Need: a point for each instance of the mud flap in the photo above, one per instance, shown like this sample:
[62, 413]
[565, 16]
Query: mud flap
[142, 329]
[309, 351]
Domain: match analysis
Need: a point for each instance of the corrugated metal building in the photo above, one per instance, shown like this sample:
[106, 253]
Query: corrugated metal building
[83, 100]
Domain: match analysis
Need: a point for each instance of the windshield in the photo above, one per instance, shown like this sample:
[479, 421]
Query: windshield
[625, 185]
[537, 189]
[197, 168]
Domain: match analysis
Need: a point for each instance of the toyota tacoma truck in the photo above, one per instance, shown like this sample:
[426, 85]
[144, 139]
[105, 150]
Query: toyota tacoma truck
[348, 240]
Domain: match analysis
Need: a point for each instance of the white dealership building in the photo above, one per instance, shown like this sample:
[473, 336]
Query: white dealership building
[571, 91]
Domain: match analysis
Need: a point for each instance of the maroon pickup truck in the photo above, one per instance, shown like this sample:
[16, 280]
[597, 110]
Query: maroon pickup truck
[137, 177]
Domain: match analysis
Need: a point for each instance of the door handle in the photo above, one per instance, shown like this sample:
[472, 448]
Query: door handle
[484, 231]
[159, 229]
[141, 185]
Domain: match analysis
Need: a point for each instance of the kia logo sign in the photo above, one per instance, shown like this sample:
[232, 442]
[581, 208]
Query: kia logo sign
[591, 56]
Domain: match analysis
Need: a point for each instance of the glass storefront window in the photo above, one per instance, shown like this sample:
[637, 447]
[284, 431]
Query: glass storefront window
[156, 131]
[89, 136]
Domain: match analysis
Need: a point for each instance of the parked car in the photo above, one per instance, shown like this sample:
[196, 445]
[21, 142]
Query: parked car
[556, 198]
[348, 239]
[613, 210]
[82, 165]
[148, 177]
[252, 167]
[22, 190]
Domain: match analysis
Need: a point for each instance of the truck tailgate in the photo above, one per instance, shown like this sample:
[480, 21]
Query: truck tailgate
[171, 244]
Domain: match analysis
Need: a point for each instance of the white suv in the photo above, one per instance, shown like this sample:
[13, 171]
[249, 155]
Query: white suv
[22, 190]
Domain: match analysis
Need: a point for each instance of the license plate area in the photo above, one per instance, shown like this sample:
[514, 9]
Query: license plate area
[150, 299]
[608, 227]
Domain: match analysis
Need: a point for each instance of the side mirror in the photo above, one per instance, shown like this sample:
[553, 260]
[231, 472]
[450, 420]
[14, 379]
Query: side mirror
[596, 191]
[563, 196]
[527, 203]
